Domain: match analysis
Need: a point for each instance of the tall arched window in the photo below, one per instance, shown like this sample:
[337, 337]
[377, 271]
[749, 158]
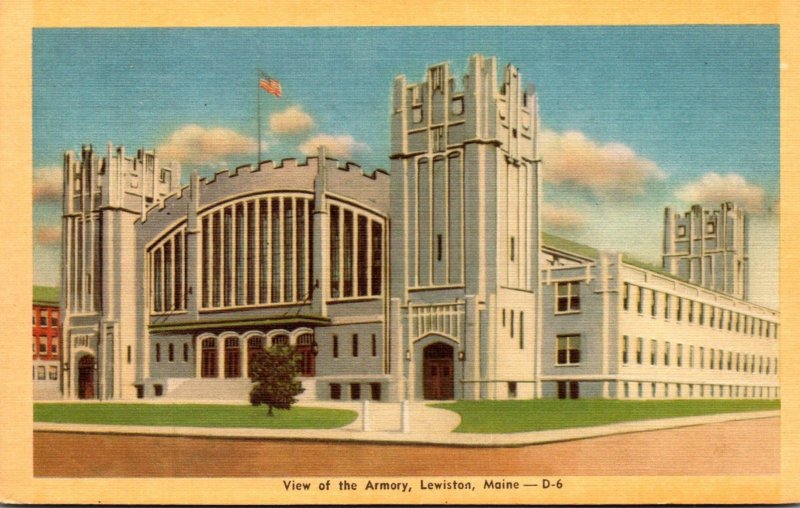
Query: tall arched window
[254, 344]
[208, 365]
[233, 357]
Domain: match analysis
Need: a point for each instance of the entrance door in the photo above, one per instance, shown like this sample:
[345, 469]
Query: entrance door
[437, 365]
[86, 377]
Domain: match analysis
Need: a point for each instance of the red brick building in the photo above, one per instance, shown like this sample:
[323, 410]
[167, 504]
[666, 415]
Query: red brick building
[46, 343]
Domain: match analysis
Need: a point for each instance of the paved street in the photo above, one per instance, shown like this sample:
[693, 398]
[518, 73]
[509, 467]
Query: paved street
[746, 447]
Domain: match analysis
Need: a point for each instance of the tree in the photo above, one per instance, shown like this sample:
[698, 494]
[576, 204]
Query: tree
[273, 371]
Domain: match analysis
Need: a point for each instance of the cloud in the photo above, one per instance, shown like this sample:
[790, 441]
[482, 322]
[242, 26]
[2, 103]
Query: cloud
[47, 235]
[292, 120]
[339, 147]
[713, 188]
[47, 184]
[563, 218]
[194, 144]
[608, 170]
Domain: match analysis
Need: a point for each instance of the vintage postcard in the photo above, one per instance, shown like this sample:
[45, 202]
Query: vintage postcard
[309, 254]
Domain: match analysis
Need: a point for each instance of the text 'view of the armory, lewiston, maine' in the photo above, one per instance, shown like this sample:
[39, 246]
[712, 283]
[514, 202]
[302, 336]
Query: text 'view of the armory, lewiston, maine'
[432, 281]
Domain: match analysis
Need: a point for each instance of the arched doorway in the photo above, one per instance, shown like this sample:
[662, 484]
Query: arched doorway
[437, 365]
[86, 377]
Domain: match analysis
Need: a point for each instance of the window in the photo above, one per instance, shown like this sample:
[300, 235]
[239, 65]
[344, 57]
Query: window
[512, 323]
[457, 106]
[208, 363]
[511, 248]
[568, 350]
[158, 352]
[363, 252]
[666, 354]
[232, 358]
[43, 320]
[54, 348]
[53, 371]
[159, 390]
[522, 330]
[681, 231]
[679, 356]
[171, 352]
[710, 227]
[374, 345]
[504, 317]
[40, 372]
[355, 391]
[680, 308]
[54, 321]
[375, 391]
[667, 299]
[639, 347]
[639, 299]
[702, 314]
[377, 258]
[512, 389]
[42, 345]
[711, 362]
[185, 352]
[336, 391]
[691, 311]
[568, 388]
[653, 352]
[624, 349]
[653, 303]
[335, 346]
[355, 345]
[626, 296]
[439, 248]
[129, 354]
[712, 317]
[568, 297]
[691, 357]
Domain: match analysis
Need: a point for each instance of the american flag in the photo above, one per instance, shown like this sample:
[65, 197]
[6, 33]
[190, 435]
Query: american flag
[271, 85]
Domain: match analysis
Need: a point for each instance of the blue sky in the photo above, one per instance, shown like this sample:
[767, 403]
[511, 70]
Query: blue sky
[636, 118]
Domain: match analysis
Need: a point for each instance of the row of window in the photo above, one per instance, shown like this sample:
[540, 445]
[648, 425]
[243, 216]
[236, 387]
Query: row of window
[356, 254]
[40, 373]
[678, 308]
[44, 321]
[668, 390]
[170, 352]
[40, 346]
[355, 391]
[232, 356]
[711, 228]
[354, 346]
[511, 325]
[717, 358]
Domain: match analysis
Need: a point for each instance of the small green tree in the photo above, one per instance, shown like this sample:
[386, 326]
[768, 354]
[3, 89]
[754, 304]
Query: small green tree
[273, 371]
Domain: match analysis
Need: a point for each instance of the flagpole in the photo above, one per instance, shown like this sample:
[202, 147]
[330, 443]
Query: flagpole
[258, 112]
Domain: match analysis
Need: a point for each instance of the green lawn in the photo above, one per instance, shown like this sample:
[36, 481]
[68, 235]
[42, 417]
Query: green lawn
[193, 415]
[529, 415]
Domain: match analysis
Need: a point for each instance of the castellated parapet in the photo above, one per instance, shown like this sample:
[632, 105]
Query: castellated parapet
[709, 247]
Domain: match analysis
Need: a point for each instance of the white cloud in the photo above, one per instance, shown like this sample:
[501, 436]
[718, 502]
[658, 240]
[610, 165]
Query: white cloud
[47, 184]
[714, 188]
[563, 218]
[194, 144]
[47, 235]
[610, 169]
[292, 120]
[339, 147]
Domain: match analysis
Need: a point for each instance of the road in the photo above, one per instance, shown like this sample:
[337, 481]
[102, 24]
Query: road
[748, 447]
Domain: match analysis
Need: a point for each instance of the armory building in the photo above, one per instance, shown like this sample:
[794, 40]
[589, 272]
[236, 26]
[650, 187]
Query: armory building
[432, 282]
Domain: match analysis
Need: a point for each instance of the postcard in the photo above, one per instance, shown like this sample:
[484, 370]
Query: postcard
[319, 255]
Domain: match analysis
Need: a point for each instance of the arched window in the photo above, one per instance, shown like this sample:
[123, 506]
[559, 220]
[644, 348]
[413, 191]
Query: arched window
[233, 357]
[305, 350]
[208, 362]
[254, 344]
[280, 340]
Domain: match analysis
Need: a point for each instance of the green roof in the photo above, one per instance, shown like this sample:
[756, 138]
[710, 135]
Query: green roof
[46, 295]
[556, 242]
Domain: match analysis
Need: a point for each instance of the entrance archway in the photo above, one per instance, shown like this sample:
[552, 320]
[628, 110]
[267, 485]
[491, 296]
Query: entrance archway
[437, 368]
[86, 377]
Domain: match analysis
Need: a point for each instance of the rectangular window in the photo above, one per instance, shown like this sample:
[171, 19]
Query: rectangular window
[241, 260]
[512, 324]
[438, 247]
[129, 355]
[568, 350]
[639, 352]
[216, 248]
[53, 372]
[335, 346]
[666, 354]
[171, 352]
[355, 345]
[43, 345]
[626, 290]
[54, 348]
[374, 345]
[347, 253]
[654, 303]
[512, 389]
[680, 309]
[568, 297]
[639, 299]
[377, 258]
[691, 311]
[158, 352]
[355, 391]
[336, 240]
[158, 390]
[666, 305]
[625, 349]
[522, 330]
[712, 317]
[702, 314]
[336, 391]
[288, 250]
[227, 258]
[679, 356]
[711, 359]
[40, 372]
[363, 255]
[511, 248]
[43, 320]
[691, 357]
[653, 352]
[54, 321]
[185, 352]
[375, 391]
[275, 225]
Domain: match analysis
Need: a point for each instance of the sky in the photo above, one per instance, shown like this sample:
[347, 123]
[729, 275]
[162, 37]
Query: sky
[634, 118]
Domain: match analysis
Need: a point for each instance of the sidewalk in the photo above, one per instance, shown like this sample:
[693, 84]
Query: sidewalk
[428, 425]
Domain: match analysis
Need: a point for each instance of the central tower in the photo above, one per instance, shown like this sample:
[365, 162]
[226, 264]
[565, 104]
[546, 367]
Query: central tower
[465, 232]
